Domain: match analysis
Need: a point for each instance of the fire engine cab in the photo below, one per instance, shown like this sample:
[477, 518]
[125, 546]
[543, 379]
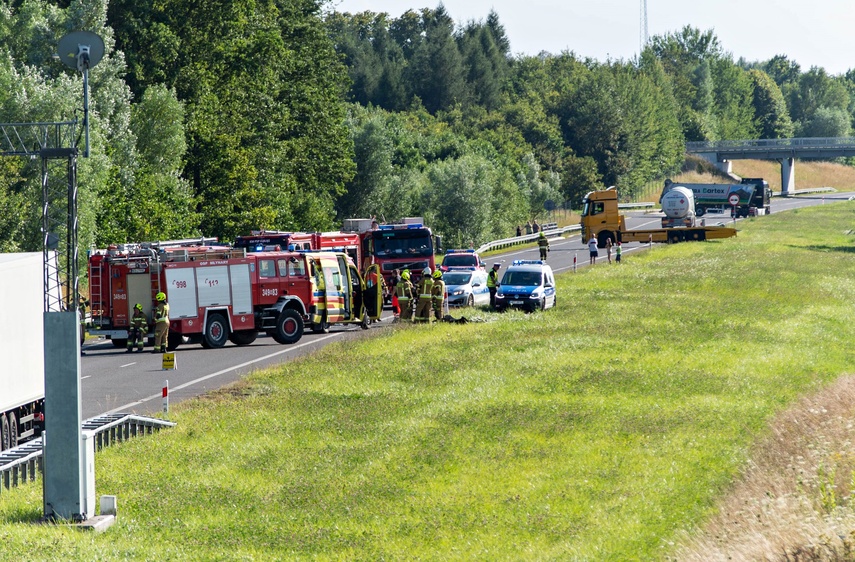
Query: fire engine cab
[223, 294]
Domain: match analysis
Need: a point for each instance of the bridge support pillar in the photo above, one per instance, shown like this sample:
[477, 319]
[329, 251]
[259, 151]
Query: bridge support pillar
[788, 176]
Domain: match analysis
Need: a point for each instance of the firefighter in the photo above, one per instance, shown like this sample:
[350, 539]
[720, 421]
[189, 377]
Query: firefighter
[493, 283]
[543, 244]
[161, 323]
[404, 292]
[438, 294]
[424, 290]
[139, 327]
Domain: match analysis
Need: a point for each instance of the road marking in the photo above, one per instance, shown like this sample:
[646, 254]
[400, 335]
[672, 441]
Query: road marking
[224, 371]
[86, 377]
[127, 365]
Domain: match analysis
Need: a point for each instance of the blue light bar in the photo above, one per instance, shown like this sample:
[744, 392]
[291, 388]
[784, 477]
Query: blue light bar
[528, 262]
[460, 251]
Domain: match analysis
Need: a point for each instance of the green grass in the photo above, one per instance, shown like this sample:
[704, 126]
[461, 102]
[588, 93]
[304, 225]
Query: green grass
[596, 431]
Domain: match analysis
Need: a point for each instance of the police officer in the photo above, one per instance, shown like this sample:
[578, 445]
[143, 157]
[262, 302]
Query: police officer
[404, 292]
[438, 294]
[139, 327]
[543, 244]
[493, 283]
[425, 290]
[161, 323]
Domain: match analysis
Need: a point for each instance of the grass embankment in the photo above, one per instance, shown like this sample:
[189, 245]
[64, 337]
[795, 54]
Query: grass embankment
[602, 430]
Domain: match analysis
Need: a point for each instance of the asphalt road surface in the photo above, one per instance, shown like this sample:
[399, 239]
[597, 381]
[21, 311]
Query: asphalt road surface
[116, 381]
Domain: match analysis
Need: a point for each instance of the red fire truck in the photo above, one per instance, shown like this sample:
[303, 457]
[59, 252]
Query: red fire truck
[224, 294]
[405, 245]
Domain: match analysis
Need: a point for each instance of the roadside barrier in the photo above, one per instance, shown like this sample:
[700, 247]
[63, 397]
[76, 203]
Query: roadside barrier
[23, 463]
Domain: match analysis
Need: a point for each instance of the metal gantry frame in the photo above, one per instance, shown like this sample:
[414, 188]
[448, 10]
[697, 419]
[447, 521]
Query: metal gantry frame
[55, 144]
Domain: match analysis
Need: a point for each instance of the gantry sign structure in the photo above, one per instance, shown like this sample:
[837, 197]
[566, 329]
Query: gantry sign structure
[56, 145]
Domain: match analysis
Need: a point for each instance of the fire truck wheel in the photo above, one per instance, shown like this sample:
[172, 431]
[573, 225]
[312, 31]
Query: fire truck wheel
[289, 327]
[121, 343]
[244, 337]
[217, 331]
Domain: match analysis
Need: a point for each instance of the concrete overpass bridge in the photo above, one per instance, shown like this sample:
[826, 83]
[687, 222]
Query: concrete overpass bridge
[784, 151]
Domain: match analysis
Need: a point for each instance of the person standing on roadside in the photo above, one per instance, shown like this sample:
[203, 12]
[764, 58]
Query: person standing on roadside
[543, 244]
[438, 294]
[592, 248]
[609, 249]
[404, 292]
[425, 290]
[519, 231]
[617, 252]
[161, 323]
[493, 283]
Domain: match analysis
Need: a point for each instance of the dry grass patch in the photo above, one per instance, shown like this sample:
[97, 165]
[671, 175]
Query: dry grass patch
[794, 500]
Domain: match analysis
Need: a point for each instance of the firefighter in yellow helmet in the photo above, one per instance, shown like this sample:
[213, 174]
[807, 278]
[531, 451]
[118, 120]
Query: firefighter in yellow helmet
[161, 323]
[543, 244]
[139, 327]
[404, 291]
[424, 290]
[438, 294]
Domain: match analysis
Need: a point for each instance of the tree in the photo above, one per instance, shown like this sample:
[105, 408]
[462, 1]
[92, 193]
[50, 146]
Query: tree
[828, 122]
[436, 70]
[770, 110]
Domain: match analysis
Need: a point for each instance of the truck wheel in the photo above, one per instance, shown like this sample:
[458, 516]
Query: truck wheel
[13, 430]
[217, 331]
[603, 236]
[121, 343]
[289, 327]
[4, 432]
[366, 321]
[673, 238]
[244, 337]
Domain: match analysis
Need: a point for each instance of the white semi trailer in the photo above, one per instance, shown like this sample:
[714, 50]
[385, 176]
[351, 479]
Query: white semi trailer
[22, 376]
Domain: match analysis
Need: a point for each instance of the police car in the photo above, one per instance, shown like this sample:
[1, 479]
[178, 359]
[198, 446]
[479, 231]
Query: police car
[528, 285]
[461, 259]
[466, 288]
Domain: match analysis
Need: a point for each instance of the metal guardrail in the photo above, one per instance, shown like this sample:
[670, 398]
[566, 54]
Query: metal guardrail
[526, 238]
[23, 463]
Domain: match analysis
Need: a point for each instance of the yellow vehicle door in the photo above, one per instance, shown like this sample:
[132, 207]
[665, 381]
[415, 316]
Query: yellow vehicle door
[335, 289]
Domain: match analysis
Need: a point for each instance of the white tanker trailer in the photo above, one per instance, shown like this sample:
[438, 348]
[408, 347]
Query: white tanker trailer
[678, 204]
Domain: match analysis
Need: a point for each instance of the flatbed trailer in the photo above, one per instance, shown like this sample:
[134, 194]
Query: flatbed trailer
[602, 220]
[678, 234]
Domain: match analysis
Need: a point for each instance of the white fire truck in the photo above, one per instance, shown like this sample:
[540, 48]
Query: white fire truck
[219, 294]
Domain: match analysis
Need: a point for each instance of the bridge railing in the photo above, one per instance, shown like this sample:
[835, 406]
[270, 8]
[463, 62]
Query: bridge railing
[763, 144]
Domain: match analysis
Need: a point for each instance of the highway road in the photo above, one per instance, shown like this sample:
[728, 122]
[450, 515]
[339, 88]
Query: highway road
[116, 381]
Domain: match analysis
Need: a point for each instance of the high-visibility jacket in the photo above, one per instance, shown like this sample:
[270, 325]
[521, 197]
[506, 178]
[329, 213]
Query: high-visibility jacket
[438, 292]
[426, 288]
[543, 243]
[161, 313]
[139, 322]
[404, 290]
[492, 279]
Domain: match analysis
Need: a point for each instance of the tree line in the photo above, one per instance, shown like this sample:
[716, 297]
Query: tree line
[220, 117]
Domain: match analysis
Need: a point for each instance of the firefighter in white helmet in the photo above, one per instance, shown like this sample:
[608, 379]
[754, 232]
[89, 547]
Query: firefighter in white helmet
[425, 291]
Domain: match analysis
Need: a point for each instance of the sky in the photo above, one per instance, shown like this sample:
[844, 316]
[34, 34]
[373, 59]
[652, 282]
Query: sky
[811, 33]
